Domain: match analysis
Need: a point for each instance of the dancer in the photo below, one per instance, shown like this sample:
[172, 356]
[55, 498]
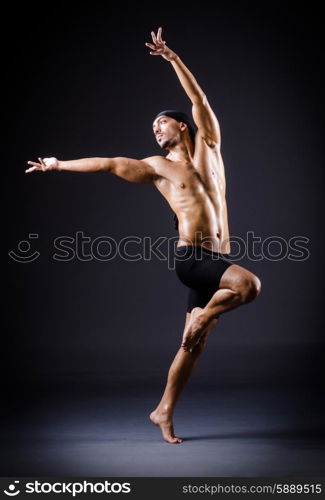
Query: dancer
[191, 177]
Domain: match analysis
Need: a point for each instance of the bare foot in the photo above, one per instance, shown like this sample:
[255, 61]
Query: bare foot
[166, 426]
[196, 327]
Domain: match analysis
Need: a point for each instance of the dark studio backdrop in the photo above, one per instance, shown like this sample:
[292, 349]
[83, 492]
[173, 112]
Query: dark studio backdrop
[81, 84]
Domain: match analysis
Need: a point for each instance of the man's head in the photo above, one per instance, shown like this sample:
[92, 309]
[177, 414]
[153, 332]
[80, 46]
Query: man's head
[170, 127]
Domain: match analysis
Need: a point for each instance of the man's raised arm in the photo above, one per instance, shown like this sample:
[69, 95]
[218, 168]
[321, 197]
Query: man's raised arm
[203, 114]
[140, 171]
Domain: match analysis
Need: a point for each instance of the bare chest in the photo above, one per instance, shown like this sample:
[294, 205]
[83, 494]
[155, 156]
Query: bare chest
[204, 173]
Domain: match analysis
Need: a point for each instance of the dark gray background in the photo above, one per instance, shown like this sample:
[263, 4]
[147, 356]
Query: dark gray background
[82, 83]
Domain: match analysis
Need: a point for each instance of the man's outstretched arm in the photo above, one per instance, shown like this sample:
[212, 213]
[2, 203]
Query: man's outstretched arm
[140, 171]
[203, 114]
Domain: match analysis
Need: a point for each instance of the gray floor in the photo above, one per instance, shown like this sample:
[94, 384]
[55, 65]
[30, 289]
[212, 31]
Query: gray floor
[103, 430]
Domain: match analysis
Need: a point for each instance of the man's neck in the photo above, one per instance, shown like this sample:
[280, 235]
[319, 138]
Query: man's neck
[183, 152]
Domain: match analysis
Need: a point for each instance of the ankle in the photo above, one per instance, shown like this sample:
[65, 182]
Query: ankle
[164, 410]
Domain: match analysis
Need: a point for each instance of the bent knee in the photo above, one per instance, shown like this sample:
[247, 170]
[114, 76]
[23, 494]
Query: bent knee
[245, 285]
[251, 289]
[248, 287]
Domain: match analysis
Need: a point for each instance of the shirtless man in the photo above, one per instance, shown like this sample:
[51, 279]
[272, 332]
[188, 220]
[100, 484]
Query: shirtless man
[191, 178]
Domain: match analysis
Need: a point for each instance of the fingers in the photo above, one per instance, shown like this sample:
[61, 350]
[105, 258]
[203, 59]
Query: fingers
[34, 163]
[159, 38]
[42, 163]
[31, 169]
[36, 166]
[158, 42]
[156, 51]
[159, 34]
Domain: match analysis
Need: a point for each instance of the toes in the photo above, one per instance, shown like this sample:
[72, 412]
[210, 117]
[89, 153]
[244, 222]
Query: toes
[174, 440]
[190, 344]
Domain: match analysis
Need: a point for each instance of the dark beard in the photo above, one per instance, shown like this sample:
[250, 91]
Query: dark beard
[166, 144]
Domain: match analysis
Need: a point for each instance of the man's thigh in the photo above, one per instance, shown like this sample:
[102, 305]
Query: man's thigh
[235, 277]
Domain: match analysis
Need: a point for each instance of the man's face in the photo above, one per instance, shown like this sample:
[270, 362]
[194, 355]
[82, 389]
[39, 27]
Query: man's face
[167, 131]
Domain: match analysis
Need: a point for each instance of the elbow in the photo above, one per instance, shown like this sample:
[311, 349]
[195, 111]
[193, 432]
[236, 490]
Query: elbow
[200, 98]
[105, 164]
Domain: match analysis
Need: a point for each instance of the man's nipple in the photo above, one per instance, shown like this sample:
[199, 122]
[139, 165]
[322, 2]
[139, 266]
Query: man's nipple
[182, 185]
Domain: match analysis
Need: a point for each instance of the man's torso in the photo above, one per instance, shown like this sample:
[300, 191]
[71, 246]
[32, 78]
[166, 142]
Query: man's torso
[196, 192]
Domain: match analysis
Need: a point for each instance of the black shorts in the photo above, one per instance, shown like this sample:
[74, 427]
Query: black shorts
[200, 269]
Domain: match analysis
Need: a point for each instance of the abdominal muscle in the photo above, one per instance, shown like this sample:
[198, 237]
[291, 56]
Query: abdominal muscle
[202, 223]
[201, 211]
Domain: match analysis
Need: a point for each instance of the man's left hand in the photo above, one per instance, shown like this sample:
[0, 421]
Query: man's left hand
[159, 47]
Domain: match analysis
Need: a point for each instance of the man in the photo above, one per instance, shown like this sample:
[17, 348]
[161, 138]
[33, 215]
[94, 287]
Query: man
[191, 178]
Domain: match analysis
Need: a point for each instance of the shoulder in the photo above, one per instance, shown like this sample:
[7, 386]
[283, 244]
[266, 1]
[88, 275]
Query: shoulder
[154, 160]
[158, 165]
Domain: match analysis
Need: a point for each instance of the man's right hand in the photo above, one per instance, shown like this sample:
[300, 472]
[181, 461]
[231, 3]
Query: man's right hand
[44, 165]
